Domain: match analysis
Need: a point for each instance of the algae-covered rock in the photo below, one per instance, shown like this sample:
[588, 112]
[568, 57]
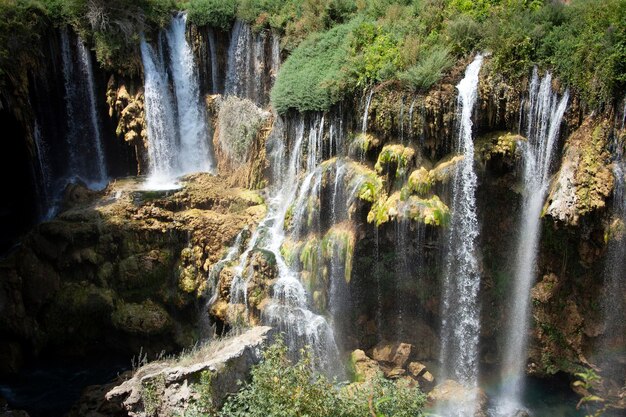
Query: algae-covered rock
[362, 143]
[431, 211]
[396, 158]
[502, 145]
[146, 318]
[585, 179]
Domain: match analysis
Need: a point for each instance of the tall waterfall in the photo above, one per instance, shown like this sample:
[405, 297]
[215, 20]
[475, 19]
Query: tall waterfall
[86, 153]
[44, 173]
[288, 309]
[178, 131]
[612, 341]
[253, 61]
[543, 121]
[460, 309]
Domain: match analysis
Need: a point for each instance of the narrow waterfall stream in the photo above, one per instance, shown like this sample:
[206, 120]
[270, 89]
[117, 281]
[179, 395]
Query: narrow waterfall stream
[194, 154]
[460, 310]
[543, 121]
[177, 126]
[611, 344]
[252, 63]
[86, 159]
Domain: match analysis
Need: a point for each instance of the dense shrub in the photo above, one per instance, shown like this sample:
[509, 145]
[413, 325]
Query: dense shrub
[374, 54]
[280, 388]
[215, 13]
[423, 75]
[313, 78]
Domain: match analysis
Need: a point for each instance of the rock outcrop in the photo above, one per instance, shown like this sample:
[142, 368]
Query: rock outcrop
[120, 269]
[200, 380]
[585, 180]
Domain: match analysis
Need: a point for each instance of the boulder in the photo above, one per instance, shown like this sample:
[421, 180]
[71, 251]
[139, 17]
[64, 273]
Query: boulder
[365, 368]
[416, 369]
[169, 388]
[452, 395]
[392, 353]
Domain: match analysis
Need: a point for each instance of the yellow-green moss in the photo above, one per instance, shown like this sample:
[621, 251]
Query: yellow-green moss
[593, 178]
[503, 144]
[420, 181]
[399, 155]
[340, 240]
[361, 143]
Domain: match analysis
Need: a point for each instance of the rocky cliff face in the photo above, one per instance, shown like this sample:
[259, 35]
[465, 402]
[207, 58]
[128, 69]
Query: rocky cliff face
[126, 268]
[120, 269]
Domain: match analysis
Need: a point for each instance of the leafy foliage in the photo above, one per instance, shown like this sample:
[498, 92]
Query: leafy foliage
[313, 77]
[280, 388]
[215, 13]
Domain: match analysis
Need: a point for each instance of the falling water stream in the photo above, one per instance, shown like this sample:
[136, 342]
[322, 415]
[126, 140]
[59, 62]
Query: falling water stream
[178, 132]
[86, 159]
[460, 311]
[543, 121]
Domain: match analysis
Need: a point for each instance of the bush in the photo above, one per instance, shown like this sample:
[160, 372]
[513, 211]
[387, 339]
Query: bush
[312, 77]
[280, 388]
[429, 70]
[214, 13]
[374, 54]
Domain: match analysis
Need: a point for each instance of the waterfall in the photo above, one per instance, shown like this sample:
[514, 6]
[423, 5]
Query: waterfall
[192, 122]
[159, 111]
[46, 209]
[460, 310]
[214, 63]
[366, 111]
[611, 342]
[288, 308]
[86, 159]
[238, 70]
[178, 131]
[543, 121]
[253, 62]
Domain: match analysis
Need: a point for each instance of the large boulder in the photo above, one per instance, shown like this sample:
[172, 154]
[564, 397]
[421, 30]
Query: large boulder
[451, 395]
[206, 376]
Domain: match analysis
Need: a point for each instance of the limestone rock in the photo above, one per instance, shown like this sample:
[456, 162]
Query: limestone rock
[416, 369]
[365, 368]
[173, 385]
[396, 354]
[584, 180]
[452, 394]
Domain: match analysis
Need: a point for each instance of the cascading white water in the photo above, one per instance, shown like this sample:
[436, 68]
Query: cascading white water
[248, 64]
[46, 209]
[159, 110]
[192, 123]
[460, 310]
[366, 111]
[611, 352]
[288, 309]
[543, 121]
[214, 63]
[86, 153]
[178, 132]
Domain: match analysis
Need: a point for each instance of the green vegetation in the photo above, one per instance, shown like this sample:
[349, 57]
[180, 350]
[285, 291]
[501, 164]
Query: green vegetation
[313, 77]
[215, 13]
[282, 388]
[415, 42]
[340, 46]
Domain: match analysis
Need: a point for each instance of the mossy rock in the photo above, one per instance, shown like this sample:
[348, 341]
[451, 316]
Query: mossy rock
[497, 144]
[396, 158]
[362, 143]
[420, 181]
[144, 271]
[431, 211]
[147, 318]
[80, 311]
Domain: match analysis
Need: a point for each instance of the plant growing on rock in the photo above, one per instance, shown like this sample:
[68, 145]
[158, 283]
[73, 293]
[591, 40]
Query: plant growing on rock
[281, 388]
